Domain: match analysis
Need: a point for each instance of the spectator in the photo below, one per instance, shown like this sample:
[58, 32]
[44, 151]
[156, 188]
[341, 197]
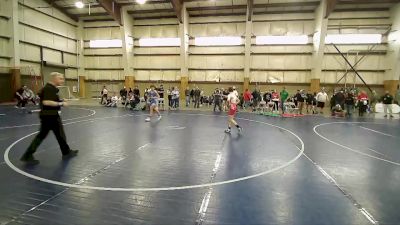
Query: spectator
[104, 94]
[362, 103]
[217, 99]
[339, 98]
[187, 96]
[192, 95]
[349, 102]
[20, 98]
[322, 98]
[136, 92]
[284, 96]
[373, 100]
[169, 93]
[299, 100]
[387, 101]
[337, 111]
[28, 95]
[275, 100]
[247, 97]
[175, 98]
[196, 95]
[123, 93]
[256, 98]
[160, 91]
[113, 101]
[225, 94]
[309, 102]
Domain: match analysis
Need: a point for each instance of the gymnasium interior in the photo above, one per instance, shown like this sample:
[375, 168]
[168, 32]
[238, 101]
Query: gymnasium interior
[293, 164]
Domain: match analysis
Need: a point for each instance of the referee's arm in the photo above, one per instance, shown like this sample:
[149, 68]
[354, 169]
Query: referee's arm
[53, 103]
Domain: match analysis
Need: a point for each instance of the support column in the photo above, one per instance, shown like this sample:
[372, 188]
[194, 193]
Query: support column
[82, 86]
[184, 51]
[320, 31]
[247, 56]
[15, 79]
[13, 7]
[127, 47]
[392, 74]
[15, 63]
[129, 82]
[81, 60]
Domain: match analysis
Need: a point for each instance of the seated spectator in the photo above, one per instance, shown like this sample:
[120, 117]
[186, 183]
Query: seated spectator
[112, 102]
[337, 111]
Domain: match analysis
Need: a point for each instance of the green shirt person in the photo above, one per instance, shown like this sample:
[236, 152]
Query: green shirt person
[284, 95]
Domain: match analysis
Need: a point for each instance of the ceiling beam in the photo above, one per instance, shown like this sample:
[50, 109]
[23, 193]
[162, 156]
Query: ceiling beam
[53, 4]
[366, 1]
[287, 4]
[92, 14]
[250, 4]
[177, 5]
[137, 12]
[113, 9]
[330, 7]
[216, 8]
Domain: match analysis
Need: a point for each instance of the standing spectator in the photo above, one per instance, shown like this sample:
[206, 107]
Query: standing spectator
[123, 93]
[322, 98]
[192, 95]
[387, 101]
[275, 99]
[160, 91]
[169, 93]
[362, 103]
[217, 99]
[284, 96]
[247, 97]
[349, 102]
[225, 94]
[136, 92]
[373, 100]
[256, 98]
[299, 99]
[175, 98]
[309, 101]
[104, 94]
[196, 95]
[187, 96]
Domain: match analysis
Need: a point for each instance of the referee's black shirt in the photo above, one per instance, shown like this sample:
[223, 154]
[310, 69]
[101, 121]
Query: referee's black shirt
[49, 92]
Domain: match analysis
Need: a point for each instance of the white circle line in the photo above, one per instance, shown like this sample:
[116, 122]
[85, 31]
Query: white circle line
[8, 162]
[346, 147]
[37, 124]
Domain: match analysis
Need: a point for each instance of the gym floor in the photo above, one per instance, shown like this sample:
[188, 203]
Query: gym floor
[184, 169]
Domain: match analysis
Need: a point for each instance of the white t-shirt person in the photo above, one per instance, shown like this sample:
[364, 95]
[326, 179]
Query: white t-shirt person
[322, 96]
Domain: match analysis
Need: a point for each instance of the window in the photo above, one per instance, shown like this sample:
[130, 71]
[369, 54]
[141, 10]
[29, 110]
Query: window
[160, 42]
[114, 43]
[210, 41]
[353, 39]
[282, 40]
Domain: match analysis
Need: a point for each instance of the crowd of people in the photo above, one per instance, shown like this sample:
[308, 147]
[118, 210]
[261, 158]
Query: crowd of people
[343, 102]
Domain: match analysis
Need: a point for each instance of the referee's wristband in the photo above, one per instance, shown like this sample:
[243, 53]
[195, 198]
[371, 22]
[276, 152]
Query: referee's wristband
[60, 103]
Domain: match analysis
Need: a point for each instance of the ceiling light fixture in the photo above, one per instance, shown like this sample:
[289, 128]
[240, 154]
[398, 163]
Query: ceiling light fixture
[141, 2]
[79, 4]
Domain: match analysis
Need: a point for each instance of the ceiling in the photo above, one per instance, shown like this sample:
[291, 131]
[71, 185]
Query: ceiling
[154, 9]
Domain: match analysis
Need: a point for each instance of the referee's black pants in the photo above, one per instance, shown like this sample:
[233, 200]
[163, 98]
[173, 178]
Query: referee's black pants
[49, 123]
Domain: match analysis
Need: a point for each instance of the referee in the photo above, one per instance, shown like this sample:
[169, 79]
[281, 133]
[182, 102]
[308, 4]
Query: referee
[50, 105]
